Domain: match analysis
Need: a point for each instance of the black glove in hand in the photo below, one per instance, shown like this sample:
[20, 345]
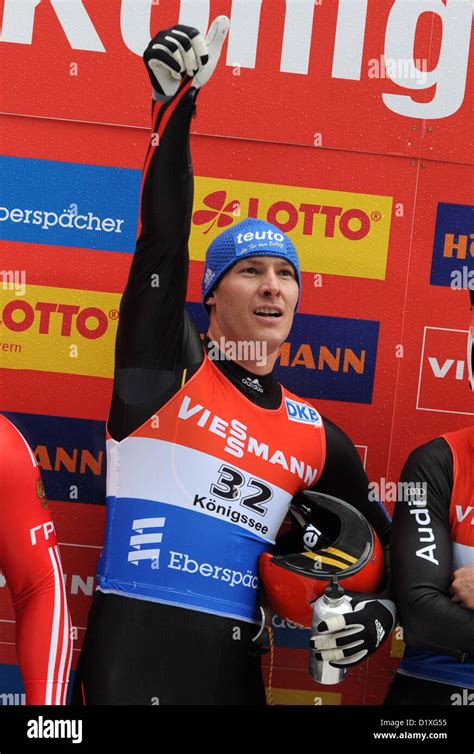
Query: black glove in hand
[345, 640]
[182, 50]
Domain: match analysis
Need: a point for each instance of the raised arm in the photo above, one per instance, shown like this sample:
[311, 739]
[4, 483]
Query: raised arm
[155, 339]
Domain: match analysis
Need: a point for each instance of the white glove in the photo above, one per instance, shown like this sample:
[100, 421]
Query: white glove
[181, 50]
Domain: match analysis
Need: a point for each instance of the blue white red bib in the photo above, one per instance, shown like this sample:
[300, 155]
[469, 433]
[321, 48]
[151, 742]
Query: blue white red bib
[200, 490]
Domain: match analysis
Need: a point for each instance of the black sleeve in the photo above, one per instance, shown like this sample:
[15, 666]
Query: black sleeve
[344, 477]
[422, 561]
[156, 340]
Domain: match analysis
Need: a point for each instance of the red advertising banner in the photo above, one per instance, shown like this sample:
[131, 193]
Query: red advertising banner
[347, 124]
[368, 76]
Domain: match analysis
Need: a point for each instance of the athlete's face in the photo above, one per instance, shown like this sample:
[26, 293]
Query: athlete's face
[255, 300]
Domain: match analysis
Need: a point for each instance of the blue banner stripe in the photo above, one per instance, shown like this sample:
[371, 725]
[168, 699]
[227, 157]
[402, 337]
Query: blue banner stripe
[69, 204]
[71, 455]
[453, 246]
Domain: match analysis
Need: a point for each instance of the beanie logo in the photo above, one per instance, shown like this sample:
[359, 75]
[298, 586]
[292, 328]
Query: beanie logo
[251, 237]
[260, 239]
[208, 277]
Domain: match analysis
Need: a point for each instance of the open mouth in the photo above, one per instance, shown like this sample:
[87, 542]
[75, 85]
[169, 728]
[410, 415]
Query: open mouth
[270, 311]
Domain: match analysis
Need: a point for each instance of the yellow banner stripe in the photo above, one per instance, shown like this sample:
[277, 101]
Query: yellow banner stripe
[307, 698]
[334, 232]
[61, 330]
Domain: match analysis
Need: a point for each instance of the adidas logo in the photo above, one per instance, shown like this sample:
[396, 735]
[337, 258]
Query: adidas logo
[253, 384]
[380, 632]
[208, 277]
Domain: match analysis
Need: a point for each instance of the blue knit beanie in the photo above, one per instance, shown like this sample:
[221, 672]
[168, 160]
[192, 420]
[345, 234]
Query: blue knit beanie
[249, 238]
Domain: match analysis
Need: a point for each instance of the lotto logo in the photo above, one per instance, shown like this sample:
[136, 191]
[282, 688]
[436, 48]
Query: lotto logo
[302, 412]
[337, 232]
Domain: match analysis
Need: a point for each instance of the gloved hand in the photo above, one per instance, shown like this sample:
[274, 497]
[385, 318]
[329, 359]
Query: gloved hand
[181, 50]
[347, 639]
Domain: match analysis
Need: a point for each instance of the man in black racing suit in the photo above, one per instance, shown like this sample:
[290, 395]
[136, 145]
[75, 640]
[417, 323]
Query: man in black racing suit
[432, 537]
[148, 650]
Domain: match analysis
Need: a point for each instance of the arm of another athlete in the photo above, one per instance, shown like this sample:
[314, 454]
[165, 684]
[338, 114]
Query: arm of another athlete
[462, 588]
[29, 558]
[422, 563]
